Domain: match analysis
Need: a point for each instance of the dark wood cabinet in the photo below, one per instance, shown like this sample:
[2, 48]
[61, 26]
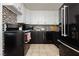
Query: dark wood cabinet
[38, 37]
[52, 37]
[44, 37]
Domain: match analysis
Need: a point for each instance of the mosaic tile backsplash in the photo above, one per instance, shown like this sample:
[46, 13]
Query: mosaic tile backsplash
[8, 16]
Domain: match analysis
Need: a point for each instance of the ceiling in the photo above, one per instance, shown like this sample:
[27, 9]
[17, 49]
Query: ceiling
[43, 6]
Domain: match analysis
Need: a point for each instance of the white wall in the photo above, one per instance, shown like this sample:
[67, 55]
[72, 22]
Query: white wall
[0, 29]
[44, 17]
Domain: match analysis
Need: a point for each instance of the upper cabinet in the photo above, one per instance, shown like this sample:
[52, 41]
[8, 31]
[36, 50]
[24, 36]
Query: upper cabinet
[23, 14]
[14, 7]
[39, 17]
[20, 19]
[44, 17]
[27, 16]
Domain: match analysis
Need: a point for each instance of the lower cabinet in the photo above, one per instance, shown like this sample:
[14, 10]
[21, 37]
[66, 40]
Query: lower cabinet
[52, 36]
[44, 37]
[38, 37]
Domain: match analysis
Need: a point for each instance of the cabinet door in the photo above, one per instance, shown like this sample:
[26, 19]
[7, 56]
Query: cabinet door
[35, 37]
[20, 19]
[19, 7]
[38, 37]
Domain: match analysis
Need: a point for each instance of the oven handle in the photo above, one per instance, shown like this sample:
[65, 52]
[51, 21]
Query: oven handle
[68, 46]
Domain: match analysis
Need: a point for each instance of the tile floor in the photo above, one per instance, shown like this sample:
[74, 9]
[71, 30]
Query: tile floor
[43, 50]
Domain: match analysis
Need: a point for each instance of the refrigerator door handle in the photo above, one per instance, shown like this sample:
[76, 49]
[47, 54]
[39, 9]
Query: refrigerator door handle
[62, 31]
[65, 20]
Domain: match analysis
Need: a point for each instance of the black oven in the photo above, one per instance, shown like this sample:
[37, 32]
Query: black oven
[13, 40]
[13, 43]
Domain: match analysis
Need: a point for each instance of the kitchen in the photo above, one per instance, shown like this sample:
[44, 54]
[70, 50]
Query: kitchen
[44, 29]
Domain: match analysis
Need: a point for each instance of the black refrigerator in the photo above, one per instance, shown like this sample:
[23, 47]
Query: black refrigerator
[69, 20]
[69, 25]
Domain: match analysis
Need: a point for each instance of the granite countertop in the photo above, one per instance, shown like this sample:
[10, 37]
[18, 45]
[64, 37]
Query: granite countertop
[18, 31]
